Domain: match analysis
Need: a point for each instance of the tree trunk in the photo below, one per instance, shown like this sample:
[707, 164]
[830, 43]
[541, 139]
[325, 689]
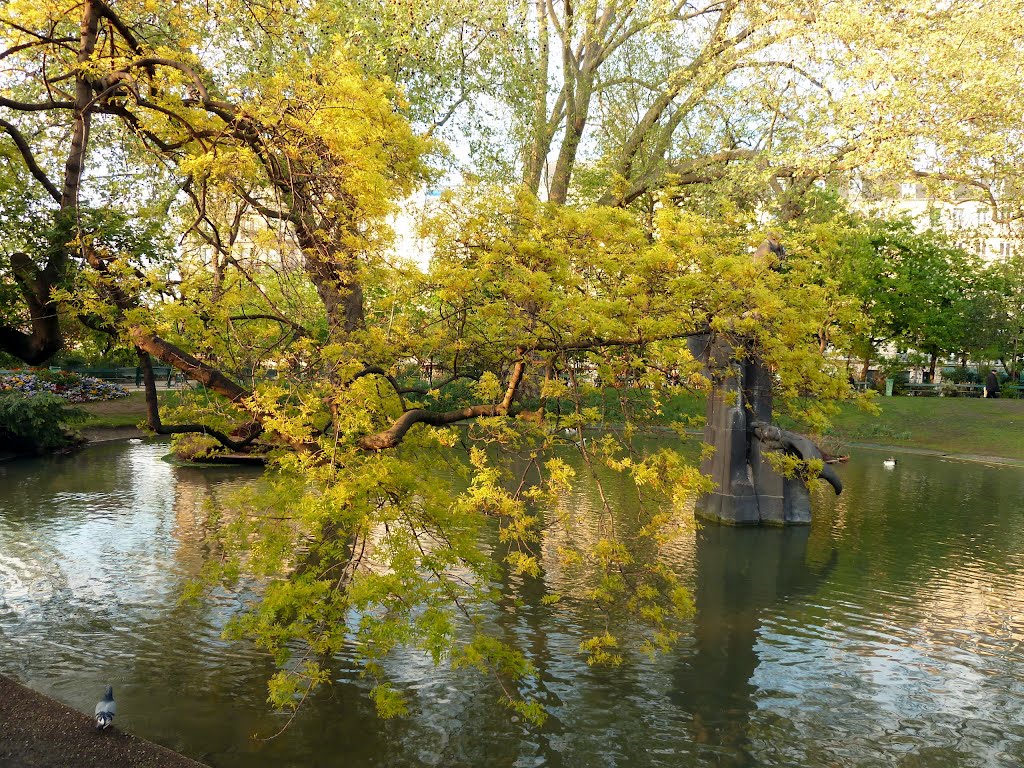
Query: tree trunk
[34, 284]
[574, 126]
[334, 274]
[45, 339]
[536, 152]
[867, 366]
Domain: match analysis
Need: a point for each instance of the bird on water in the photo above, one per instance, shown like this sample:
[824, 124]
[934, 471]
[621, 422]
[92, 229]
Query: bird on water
[105, 710]
[890, 462]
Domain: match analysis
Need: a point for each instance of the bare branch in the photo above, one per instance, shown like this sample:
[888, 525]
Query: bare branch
[266, 210]
[299, 329]
[40, 106]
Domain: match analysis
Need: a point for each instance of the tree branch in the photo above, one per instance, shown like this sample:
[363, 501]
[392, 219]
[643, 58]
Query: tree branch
[374, 370]
[251, 430]
[394, 435]
[440, 385]
[35, 106]
[299, 329]
[30, 160]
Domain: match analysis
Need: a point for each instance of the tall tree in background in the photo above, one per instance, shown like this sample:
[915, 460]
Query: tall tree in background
[917, 287]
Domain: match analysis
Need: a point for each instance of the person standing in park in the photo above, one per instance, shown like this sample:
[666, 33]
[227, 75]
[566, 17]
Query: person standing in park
[992, 384]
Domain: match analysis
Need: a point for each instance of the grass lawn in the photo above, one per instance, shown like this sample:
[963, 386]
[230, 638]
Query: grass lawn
[950, 424]
[975, 426]
[125, 412]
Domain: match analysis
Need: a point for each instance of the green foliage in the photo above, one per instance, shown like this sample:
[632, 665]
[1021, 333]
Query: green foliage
[918, 288]
[382, 527]
[998, 318]
[961, 375]
[405, 547]
[36, 423]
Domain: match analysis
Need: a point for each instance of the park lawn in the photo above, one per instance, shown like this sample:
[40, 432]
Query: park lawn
[975, 426]
[107, 414]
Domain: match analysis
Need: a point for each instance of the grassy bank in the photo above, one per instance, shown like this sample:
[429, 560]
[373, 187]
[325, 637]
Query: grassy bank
[952, 425]
[110, 414]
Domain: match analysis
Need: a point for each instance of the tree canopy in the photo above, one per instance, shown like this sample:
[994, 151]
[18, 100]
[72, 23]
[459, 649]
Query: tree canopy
[210, 184]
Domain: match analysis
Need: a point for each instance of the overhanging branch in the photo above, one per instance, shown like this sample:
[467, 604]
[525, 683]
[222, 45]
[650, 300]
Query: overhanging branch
[392, 437]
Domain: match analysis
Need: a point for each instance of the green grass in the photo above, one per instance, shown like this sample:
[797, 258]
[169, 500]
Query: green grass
[125, 412]
[949, 424]
[952, 425]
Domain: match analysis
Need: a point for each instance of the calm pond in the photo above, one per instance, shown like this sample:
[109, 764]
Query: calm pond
[890, 632]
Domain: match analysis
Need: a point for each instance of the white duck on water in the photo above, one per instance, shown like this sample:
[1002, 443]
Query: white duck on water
[889, 463]
[105, 710]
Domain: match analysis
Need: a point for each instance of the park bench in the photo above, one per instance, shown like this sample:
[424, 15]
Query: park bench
[165, 374]
[932, 390]
[970, 390]
[120, 375]
[921, 390]
[127, 375]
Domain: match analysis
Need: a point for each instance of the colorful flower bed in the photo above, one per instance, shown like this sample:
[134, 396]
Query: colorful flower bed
[73, 387]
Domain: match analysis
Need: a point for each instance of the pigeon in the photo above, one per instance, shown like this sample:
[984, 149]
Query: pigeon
[106, 708]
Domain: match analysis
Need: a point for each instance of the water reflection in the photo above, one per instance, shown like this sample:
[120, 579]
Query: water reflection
[740, 574]
[891, 632]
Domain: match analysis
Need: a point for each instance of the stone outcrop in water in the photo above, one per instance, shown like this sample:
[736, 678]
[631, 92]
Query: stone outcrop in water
[749, 490]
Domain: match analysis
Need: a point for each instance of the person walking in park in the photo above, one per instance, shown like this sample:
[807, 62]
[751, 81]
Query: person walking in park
[992, 385]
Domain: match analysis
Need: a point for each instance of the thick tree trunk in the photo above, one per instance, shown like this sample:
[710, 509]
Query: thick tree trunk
[537, 151]
[45, 339]
[36, 285]
[334, 274]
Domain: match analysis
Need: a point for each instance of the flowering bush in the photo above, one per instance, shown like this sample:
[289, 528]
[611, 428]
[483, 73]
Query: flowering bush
[73, 387]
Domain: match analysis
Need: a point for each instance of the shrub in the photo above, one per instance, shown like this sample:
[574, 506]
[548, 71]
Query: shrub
[961, 375]
[36, 423]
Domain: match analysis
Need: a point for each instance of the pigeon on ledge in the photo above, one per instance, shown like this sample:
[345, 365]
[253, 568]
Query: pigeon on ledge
[105, 710]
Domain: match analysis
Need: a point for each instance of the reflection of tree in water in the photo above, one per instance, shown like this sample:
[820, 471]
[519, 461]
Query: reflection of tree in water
[741, 572]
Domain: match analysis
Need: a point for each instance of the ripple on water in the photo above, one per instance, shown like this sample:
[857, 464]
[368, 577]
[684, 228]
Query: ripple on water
[890, 634]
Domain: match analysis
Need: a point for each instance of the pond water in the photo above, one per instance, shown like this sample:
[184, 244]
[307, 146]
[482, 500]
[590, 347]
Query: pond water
[889, 633]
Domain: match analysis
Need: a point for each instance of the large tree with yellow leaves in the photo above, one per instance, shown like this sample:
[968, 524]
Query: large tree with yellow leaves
[272, 141]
